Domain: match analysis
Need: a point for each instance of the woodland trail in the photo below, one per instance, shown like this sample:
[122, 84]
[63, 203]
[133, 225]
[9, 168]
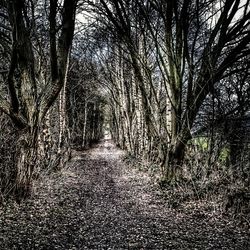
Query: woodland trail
[98, 202]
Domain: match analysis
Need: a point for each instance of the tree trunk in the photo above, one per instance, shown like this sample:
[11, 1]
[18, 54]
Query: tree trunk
[84, 139]
[175, 160]
[64, 150]
[175, 156]
[27, 161]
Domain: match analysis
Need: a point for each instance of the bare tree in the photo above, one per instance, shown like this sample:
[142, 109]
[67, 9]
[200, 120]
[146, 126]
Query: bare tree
[196, 43]
[28, 98]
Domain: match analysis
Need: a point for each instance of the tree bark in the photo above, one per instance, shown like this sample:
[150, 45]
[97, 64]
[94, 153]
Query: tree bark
[28, 106]
[27, 147]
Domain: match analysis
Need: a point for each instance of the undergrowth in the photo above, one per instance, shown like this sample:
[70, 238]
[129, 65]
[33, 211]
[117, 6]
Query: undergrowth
[216, 186]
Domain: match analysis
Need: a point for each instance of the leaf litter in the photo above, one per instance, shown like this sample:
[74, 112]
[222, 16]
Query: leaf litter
[99, 202]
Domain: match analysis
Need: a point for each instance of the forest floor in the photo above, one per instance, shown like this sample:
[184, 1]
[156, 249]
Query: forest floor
[99, 202]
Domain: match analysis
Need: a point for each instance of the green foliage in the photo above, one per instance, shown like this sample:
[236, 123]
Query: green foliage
[202, 143]
[224, 154]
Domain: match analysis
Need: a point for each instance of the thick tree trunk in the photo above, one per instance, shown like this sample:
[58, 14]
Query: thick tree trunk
[27, 160]
[175, 156]
[29, 105]
[174, 161]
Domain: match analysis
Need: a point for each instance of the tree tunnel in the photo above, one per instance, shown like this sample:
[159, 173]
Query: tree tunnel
[149, 73]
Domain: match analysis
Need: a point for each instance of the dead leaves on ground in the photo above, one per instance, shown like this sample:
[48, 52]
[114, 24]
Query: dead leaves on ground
[99, 202]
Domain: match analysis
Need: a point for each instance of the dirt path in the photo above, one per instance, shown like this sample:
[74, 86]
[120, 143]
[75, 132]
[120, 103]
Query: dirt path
[100, 203]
